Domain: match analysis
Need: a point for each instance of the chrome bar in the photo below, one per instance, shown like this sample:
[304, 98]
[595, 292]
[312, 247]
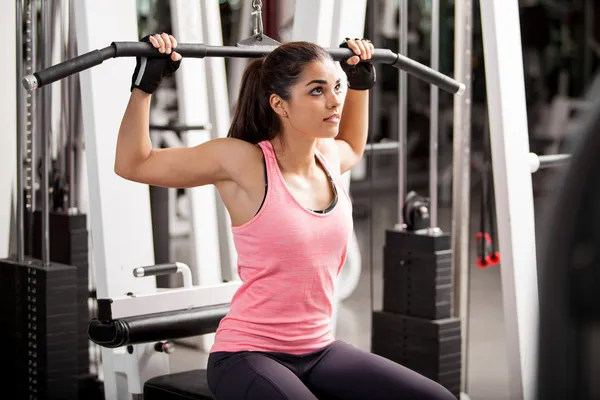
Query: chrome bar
[554, 160]
[434, 125]
[20, 134]
[383, 147]
[548, 161]
[47, 20]
[402, 112]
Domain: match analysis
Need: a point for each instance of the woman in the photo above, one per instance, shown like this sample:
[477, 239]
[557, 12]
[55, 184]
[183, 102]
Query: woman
[294, 132]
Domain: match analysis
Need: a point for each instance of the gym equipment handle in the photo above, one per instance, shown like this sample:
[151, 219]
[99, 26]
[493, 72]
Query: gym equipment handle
[67, 68]
[158, 269]
[547, 161]
[166, 269]
[199, 50]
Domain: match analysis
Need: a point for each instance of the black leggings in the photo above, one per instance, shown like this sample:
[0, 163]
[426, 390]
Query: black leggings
[339, 371]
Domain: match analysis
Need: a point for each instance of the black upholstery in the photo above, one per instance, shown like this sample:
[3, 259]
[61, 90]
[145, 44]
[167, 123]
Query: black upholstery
[184, 385]
[163, 326]
[155, 327]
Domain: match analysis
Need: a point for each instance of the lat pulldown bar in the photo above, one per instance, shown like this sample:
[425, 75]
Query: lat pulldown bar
[198, 50]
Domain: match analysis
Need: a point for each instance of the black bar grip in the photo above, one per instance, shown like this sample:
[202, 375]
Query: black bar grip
[67, 68]
[180, 128]
[381, 56]
[158, 269]
[146, 49]
[429, 75]
[200, 50]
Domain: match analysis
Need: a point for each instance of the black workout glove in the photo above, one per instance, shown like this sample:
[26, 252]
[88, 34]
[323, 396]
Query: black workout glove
[360, 76]
[150, 72]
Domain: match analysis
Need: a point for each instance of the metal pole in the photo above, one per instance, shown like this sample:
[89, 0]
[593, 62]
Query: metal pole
[31, 116]
[402, 111]
[75, 113]
[382, 147]
[554, 160]
[45, 130]
[434, 116]
[37, 100]
[463, 21]
[63, 147]
[589, 40]
[20, 133]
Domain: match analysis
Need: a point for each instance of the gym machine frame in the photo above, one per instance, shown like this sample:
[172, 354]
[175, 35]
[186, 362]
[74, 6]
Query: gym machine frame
[509, 142]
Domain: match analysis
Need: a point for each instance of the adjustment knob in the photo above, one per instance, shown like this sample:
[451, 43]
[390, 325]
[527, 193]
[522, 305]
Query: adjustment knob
[166, 347]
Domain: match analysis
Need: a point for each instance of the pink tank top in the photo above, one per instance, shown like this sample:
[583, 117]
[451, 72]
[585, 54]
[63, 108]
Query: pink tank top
[288, 260]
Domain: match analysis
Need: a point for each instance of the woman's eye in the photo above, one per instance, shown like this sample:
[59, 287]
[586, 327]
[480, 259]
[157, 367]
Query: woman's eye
[338, 87]
[317, 91]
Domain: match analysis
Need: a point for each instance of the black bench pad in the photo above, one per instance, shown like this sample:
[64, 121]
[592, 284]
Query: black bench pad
[184, 385]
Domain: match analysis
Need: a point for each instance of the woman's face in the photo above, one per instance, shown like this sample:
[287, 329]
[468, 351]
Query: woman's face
[315, 106]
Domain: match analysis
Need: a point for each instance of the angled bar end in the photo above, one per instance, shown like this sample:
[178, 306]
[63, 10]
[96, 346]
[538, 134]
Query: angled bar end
[30, 82]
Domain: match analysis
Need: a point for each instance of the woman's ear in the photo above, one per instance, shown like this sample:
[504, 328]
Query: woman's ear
[278, 105]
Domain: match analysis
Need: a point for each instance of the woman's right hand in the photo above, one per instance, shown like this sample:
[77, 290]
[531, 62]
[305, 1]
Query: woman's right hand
[150, 72]
[165, 44]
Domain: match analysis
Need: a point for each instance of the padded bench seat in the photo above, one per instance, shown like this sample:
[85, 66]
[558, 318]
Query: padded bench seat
[184, 385]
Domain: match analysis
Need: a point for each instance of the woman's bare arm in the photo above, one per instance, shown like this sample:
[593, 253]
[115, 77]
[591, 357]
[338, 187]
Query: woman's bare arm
[209, 163]
[354, 125]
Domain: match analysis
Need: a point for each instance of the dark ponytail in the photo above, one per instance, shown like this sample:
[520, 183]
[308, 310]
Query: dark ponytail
[254, 120]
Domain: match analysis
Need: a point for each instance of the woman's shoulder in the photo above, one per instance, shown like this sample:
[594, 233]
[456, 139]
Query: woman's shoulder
[241, 155]
[238, 148]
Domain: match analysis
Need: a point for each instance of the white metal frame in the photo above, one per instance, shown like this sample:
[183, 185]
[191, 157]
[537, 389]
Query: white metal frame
[119, 210]
[8, 121]
[137, 367]
[166, 300]
[218, 111]
[514, 194]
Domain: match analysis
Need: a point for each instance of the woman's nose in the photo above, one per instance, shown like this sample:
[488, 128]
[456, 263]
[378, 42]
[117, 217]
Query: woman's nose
[334, 101]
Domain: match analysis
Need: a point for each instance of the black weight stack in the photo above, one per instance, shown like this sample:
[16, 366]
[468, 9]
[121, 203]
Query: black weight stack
[69, 246]
[38, 307]
[415, 328]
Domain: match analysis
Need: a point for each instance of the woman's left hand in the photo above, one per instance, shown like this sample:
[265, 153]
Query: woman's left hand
[361, 75]
[363, 48]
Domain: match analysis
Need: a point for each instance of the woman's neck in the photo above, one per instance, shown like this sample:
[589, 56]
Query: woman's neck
[295, 154]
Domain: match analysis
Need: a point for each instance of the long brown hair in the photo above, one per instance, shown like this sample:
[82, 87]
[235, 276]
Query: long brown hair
[254, 120]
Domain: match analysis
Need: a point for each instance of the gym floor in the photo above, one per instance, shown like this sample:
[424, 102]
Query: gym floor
[487, 361]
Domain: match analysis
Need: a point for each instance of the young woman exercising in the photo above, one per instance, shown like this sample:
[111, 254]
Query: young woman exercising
[296, 129]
